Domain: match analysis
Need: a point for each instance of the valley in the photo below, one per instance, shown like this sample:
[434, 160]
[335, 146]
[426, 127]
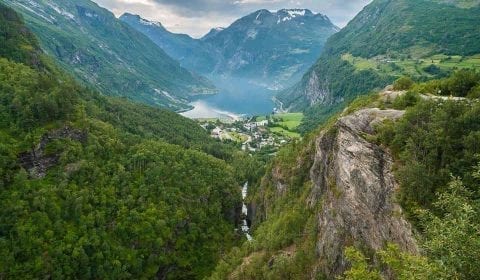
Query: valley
[280, 146]
[263, 135]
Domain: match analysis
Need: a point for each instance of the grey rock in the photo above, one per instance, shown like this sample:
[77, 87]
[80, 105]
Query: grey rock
[36, 162]
[354, 180]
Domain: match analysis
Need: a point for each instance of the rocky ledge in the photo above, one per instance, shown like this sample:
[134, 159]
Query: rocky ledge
[353, 178]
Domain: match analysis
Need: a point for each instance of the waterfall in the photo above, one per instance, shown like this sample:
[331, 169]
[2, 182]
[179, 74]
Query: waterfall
[245, 228]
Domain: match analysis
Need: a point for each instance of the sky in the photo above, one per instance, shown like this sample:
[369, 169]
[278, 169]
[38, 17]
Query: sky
[197, 17]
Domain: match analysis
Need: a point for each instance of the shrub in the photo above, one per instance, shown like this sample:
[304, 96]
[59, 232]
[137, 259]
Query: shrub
[404, 83]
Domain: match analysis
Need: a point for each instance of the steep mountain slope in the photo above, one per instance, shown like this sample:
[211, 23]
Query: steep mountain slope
[91, 187]
[109, 55]
[367, 195]
[191, 53]
[388, 38]
[270, 48]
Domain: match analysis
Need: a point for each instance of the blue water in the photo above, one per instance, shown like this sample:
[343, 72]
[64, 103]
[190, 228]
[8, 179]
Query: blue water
[236, 98]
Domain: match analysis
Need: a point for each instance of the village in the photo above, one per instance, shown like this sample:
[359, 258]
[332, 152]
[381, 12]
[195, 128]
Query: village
[257, 133]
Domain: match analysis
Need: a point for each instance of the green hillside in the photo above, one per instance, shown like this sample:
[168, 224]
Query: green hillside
[387, 39]
[94, 187]
[90, 43]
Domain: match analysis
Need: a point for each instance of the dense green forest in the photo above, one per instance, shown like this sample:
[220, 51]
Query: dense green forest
[436, 151]
[94, 187]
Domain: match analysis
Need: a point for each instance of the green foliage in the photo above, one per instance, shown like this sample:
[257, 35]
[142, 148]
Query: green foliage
[400, 265]
[17, 42]
[474, 92]
[122, 203]
[432, 141]
[403, 83]
[453, 237]
[360, 269]
[31, 98]
[462, 83]
[405, 266]
[406, 100]
[398, 27]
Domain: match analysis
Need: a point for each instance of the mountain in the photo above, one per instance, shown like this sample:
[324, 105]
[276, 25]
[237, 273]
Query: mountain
[212, 33]
[99, 187]
[387, 189]
[386, 40]
[270, 48]
[108, 55]
[191, 53]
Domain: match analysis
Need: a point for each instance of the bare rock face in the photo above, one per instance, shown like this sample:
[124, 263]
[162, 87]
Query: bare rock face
[36, 162]
[353, 179]
[316, 91]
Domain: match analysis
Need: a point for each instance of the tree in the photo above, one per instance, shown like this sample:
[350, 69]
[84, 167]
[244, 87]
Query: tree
[453, 237]
[360, 269]
[403, 83]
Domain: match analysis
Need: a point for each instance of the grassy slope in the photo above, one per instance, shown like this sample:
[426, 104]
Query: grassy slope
[404, 31]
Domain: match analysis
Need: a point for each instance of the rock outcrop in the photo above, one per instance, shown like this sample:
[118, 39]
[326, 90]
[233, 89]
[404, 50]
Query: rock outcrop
[353, 178]
[37, 162]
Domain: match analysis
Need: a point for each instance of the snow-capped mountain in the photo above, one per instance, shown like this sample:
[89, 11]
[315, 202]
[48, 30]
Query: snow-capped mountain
[270, 48]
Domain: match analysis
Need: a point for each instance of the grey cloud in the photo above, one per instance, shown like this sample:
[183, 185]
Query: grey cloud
[196, 17]
[340, 9]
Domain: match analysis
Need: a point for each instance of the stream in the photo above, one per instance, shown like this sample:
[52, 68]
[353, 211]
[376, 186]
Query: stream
[245, 228]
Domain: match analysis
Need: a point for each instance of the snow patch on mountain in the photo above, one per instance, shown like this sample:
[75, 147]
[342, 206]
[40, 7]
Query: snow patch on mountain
[34, 9]
[60, 11]
[150, 23]
[252, 34]
[295, 13]
[287, 15]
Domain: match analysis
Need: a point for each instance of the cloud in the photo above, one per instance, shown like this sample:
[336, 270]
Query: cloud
[197, 17]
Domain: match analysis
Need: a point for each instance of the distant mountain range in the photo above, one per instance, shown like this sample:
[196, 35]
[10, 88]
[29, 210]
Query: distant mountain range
[273, 49]
[106, 53]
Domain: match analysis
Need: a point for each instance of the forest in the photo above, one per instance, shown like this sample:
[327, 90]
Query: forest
[98, 187]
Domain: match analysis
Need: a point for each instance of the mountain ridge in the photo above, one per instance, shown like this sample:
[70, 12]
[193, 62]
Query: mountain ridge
[386, 40]
[91, 43]
[272, 49]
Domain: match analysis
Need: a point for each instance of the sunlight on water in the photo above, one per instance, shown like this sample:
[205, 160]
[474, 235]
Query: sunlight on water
[203, 110]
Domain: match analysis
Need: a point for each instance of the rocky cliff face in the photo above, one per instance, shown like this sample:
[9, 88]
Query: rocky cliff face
[351, 179]
[354, 179]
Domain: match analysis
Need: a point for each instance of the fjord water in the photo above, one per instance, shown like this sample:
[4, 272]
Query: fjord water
[236, 98]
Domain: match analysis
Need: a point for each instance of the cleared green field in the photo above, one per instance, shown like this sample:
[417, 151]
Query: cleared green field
[414, 67]
[238, 137]
[281, 131]
[289, 120]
